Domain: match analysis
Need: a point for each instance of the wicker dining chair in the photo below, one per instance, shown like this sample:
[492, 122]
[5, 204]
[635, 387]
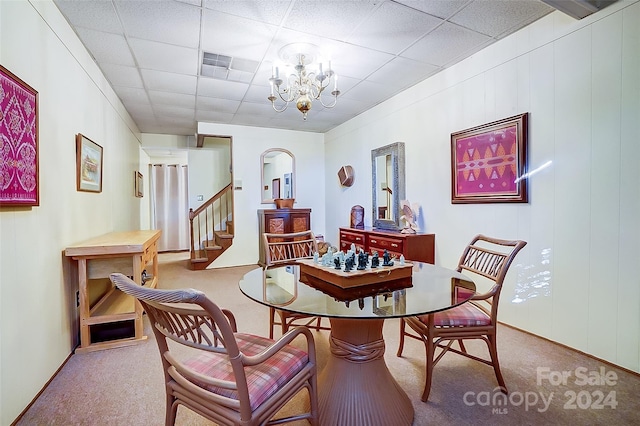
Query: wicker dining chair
[227, 377]
[477, 319]
[285, 249]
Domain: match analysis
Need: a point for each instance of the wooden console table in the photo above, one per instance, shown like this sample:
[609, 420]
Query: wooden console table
[100, 303]
[417, 247]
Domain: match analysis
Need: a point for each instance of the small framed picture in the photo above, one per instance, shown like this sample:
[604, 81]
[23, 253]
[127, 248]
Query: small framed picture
[88, 165]
[137, 184]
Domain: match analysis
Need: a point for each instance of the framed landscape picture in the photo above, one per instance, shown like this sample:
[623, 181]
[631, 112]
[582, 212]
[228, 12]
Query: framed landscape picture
[18, 142]
[137, 184]
[88, 165]
[488, 162]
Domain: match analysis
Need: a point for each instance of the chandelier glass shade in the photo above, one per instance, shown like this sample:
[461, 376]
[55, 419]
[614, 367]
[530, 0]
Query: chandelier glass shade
[302, 85]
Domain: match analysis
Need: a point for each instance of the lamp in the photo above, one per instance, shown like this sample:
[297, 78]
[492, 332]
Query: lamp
[302, 86]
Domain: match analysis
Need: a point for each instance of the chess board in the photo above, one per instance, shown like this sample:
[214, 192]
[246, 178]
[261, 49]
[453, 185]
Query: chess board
[355, 278]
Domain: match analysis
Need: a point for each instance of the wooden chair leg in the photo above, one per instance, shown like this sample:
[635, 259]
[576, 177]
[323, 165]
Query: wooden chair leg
[493, 352]
[171, 410]
[272, 317]
[430, 349]
[318, 324]
[284, 324]
[402, 333]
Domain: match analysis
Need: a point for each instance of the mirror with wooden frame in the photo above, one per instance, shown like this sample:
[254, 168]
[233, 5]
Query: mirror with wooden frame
[277, 166]
[388, 185]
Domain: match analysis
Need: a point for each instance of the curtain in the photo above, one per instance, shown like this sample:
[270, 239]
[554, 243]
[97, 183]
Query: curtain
[170, 206]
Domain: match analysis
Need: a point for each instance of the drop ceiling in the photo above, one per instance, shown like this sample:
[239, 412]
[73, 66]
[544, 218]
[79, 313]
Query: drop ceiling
[152, 52]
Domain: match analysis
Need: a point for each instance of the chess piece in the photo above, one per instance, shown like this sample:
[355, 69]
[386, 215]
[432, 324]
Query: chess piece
[375, 260]
[362, 260]
[386, 259]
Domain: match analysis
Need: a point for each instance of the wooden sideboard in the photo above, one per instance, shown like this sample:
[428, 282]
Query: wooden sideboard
[416, 247]
[105, 311]
[282, 221]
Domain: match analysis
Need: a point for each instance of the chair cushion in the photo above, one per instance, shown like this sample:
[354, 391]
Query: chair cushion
[263, 380]
[464, 315]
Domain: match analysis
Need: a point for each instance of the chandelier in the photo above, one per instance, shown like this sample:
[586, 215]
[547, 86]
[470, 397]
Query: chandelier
[302, 85]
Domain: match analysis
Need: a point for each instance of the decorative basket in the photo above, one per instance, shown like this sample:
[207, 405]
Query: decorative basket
[284, 203]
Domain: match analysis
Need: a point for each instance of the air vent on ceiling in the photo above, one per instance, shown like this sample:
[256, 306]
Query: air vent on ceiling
[225, 67]
[579, 9]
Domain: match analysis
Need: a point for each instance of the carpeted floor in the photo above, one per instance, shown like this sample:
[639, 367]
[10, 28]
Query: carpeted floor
[124, 386]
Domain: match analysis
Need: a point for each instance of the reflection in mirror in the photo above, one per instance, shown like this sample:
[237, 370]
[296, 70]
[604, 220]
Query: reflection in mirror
[277, 167]
[388, 185]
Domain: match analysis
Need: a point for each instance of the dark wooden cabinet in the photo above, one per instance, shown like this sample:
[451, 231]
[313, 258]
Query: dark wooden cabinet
[416, 247]
[282, 221]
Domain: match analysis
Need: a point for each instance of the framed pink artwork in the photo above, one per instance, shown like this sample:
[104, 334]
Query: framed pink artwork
[18, 142]
[488, 162]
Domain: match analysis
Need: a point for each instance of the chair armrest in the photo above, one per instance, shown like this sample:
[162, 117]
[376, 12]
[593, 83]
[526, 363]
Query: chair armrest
[287, 338]
[485, 296]
[231, 318]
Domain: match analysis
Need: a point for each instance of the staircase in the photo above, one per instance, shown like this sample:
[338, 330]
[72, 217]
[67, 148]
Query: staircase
[211, 228]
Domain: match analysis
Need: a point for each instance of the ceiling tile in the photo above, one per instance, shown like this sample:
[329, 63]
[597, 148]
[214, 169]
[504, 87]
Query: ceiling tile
[218, 105]
[269, 11]
[132, 95]
[406, 26]
[107, 47]
[153, 55]
[447, 42]
[331, 19]
[214, 116]
[402, 73]
[164, 111]
[169, 82]
[221, 89]
[177, 99]
[220, 35]
[99, 16]
[441, 9]
[494, 17]
[120, 75]
[161, 20]
[370, 92]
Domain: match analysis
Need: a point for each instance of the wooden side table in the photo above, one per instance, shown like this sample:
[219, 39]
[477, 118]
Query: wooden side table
[100, 303]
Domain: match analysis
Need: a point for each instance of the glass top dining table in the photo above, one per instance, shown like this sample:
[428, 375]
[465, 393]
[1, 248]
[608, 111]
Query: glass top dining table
[431, 289]
[355, 386]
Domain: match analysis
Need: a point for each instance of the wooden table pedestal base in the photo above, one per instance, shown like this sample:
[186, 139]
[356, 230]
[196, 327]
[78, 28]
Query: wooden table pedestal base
[356, 387]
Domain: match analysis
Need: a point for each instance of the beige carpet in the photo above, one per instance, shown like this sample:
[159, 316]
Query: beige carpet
[123, 386]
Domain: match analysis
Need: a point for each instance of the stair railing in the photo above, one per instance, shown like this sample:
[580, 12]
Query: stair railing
[213, 215]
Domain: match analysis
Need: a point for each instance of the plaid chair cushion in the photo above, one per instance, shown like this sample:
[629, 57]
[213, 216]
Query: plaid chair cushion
[466, 314]
[263, 380]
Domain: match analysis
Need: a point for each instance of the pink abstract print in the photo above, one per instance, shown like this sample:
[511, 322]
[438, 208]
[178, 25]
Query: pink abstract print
[18, 142]
[487, 163]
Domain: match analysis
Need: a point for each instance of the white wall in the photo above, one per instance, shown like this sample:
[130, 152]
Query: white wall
[37, 300]
[578, 280]
[247, 146]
